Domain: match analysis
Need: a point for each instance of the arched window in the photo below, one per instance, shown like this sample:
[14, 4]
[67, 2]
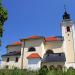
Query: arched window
[70, 68]
[68, 29]
[48, 52]
[52, 67]
[31, 49]
[59, 67]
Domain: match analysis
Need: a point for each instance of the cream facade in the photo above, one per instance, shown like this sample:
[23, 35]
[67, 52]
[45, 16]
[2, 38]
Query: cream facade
[37, 51]
[11, 64]
[37, 44]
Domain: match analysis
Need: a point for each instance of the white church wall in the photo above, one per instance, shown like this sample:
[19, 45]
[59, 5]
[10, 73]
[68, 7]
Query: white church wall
[68, 65]
[56, 46]
[34, 64]
[37, 44]
[11, 64]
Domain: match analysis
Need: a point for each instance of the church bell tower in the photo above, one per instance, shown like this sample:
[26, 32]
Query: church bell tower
[68, 33]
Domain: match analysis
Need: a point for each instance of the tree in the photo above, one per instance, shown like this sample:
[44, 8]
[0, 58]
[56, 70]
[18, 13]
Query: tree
[3, 18]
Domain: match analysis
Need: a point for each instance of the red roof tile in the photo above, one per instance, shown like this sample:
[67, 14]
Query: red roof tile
[33, 55]
[14, 44]
[33, 37]
[17, 43]
[54, 38]
[51, 39]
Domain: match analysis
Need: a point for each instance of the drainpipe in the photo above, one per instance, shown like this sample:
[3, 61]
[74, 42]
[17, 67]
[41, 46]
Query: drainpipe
[22, 55]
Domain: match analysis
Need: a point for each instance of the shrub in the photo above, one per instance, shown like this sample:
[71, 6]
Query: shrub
[42, 71]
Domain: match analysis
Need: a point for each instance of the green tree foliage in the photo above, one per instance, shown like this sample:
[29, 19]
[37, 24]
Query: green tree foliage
[3, 18]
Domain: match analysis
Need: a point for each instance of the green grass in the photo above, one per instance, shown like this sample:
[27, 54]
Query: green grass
[40, 72]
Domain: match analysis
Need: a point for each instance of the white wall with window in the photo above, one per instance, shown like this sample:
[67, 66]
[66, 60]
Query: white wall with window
[34, 64]
[11, 62]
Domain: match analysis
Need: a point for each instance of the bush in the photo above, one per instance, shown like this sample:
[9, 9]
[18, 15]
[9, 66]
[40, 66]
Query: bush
[42, 71]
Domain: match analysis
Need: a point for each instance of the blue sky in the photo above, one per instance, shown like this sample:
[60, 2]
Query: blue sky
[34, 17]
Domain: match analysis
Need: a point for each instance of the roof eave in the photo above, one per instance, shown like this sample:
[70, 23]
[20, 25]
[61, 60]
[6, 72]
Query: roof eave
[32, 38]
[54, 40]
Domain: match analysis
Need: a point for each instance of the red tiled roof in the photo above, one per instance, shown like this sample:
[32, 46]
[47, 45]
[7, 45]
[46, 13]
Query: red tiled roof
[53, 38]
[33, 55]
[33, 37]
[14, 44]
[17, 43]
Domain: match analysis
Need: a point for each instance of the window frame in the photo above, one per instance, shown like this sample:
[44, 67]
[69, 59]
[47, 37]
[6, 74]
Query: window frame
[7, 59]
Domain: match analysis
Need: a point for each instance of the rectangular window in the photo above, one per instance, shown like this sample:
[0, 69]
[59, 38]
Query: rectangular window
[68, 29]
[7, 59]
[16, 60]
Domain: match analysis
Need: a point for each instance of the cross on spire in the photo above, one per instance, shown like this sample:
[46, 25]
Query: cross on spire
[64, 7]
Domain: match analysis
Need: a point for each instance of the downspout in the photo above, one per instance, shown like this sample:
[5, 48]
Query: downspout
[22, 55]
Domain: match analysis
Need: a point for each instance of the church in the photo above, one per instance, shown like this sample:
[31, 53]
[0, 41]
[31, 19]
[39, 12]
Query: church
[35, 52]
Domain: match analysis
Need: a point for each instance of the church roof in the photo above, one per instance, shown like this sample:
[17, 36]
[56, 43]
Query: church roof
[55, 57]
[14, 53]
[51, 38]
[54, 38]
[66, 15]
[46, 39]
[15, 44]
[32, 37]
[33, 55]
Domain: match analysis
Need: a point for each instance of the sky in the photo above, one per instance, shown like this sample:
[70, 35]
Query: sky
[34, 17]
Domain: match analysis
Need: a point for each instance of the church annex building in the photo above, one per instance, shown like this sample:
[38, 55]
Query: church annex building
[34, 52]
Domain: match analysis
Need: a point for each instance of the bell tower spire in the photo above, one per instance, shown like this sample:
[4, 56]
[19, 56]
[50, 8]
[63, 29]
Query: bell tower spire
[66, 15]
[68, 32]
